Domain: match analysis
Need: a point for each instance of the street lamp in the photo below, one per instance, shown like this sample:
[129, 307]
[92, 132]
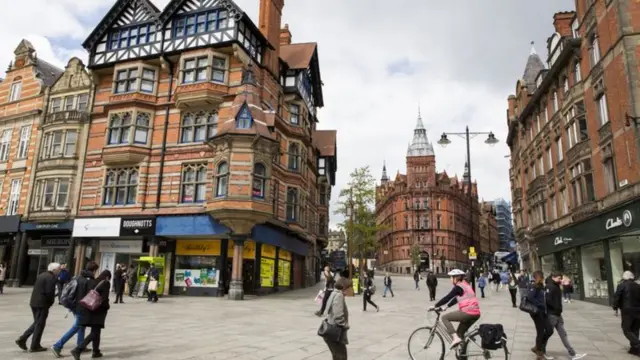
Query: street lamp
[491, 140]
[350, 236]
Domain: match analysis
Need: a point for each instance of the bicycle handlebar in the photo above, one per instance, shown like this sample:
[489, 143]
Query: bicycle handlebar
[438, 310]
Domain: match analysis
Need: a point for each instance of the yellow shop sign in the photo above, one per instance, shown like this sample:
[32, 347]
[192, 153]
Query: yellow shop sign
[198, 247]
[248, 251]
[268, 251]
[284, 255]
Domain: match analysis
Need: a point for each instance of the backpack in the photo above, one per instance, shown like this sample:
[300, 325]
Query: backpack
[68, 294]
[492, 336]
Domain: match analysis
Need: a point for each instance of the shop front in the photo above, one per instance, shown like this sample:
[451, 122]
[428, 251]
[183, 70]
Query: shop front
[595, 252]
[9, 244]
[248, 266]
[47, 242]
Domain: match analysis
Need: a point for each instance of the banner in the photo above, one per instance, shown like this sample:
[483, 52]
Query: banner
[267, 270]
[284, 273]
[206, 277]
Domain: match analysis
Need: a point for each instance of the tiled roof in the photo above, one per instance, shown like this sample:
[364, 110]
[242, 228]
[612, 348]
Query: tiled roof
[298, 56]
[325, 141]
[531, 71]
[47, 72]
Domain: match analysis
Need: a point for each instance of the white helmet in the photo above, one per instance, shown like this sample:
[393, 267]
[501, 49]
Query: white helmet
[456, 272]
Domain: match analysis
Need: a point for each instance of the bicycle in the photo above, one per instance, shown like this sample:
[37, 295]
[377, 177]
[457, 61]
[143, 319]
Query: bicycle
[462, 352]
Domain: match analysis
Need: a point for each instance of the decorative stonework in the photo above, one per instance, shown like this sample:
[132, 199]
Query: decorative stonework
[74, 77]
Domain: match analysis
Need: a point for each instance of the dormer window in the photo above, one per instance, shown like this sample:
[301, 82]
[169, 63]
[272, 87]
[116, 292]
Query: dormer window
[244, 119]
[201, 23]
[131, 36]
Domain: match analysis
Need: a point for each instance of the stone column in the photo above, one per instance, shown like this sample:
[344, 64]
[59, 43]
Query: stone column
[22, 258]
[236, 286]
[15, 252]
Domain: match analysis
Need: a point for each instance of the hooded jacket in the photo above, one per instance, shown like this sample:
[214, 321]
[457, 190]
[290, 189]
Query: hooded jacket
[553, 297]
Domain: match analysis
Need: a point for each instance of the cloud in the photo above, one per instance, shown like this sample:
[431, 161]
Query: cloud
[457, 59]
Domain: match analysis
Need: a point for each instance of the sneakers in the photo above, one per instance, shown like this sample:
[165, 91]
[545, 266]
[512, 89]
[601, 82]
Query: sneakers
[456, 340]
[547, 357]
[56, 352]
[578, 356]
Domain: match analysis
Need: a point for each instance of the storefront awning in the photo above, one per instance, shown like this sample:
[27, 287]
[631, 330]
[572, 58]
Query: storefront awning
[189, 225]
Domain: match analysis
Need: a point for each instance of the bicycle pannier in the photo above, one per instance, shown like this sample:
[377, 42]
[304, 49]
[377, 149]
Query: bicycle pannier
[492, 336]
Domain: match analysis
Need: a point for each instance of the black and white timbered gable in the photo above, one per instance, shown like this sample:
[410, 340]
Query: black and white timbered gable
[128, 31]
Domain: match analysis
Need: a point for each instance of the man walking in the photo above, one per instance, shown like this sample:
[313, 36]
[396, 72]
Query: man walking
[416, 278]
[63, 279]
[3, 271]
[627, 299]
[553, 298]
[43, 296]
[432, 283]
[387, 285]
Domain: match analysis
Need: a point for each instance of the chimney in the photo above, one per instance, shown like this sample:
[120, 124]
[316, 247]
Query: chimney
[270, 22]
[285, 35]
[562, 22]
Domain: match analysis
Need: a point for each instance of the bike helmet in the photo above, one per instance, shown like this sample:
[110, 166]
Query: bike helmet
[456, 272]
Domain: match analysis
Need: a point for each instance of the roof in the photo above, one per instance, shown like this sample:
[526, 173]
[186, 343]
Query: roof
[325, 141]
[531, 71]
[47, 72]
[298, 56]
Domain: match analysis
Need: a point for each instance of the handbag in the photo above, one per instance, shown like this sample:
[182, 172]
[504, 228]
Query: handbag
[527, 306]
[330, 332]
[153, 285]
[319, 297]
[93, 299]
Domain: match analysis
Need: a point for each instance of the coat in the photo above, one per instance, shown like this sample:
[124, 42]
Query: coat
[43, 294]
[96, 318]
[118, 280]
[338, 313]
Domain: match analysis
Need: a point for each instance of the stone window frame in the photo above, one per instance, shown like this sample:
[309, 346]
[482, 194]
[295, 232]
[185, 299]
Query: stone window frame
[134, 112]
[197, 182]
[222, 190]
[209, 54]
[209, 126]
[261, 179]
[47, 144]
[40, 191]
[115, 187]
[58, 102]
[138, 79]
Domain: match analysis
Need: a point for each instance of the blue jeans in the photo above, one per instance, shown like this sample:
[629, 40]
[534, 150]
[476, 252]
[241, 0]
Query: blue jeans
[387, 288]
[66, 337]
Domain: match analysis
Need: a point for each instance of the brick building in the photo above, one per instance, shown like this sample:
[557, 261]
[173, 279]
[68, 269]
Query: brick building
[489, 234]
[426, 209]
[575, 146]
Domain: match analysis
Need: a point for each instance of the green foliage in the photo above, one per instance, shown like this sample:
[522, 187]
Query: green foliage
[415, 255]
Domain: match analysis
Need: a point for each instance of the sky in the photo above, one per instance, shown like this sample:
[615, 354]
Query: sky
[456, 60]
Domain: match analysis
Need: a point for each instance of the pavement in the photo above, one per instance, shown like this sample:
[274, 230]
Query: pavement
[283, 327]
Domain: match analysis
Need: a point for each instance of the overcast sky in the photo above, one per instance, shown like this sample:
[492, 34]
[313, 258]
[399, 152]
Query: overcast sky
[380, 59]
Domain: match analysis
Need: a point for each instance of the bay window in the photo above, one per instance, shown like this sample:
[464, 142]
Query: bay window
[51, 194]
[122, 130]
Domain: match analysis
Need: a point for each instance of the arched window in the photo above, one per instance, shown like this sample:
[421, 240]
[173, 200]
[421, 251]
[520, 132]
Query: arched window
[294, 157]
[259, 180]
[198, 127]
[292, 204]
[222, 179]
[577, 76]
[121, 187]
[194, 183]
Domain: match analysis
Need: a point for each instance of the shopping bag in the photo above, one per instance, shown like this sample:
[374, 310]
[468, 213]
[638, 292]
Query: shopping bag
[319, 297]
[153, 285]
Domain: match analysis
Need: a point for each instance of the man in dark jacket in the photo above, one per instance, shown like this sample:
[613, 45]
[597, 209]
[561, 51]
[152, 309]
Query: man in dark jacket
[63, 279]
[43, 296]
[387, 285]
[432, 283]
[627, 299]
[553, 298]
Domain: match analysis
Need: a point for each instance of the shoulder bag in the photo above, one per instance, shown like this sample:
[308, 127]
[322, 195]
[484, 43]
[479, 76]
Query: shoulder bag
[328, 331]
[528, 306]
[93, 299]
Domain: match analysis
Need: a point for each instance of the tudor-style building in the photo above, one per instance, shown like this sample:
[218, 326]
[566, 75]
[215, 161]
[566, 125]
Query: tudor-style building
[22, 98]
[204, 125]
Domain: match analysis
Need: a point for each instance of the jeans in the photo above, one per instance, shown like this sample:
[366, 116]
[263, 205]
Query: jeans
[566, 295]
[75, 329]
[387, 288]
[338, 350]
[558, 323]
[132, 286]
[366, 298]
[482, 291]
[464, 320]
[37, 328]
[513, 293]
[544, 330]
[432, 292]
[417, 284]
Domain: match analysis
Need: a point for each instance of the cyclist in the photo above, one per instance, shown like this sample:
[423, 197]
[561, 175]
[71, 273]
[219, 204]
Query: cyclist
[468, 307]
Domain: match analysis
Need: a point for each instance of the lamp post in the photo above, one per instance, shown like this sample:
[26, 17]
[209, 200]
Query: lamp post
[350, 236]
[467, 135]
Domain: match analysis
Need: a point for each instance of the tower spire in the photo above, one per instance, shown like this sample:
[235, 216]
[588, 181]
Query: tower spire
[420, 146]
[384, 178]
[533, 48]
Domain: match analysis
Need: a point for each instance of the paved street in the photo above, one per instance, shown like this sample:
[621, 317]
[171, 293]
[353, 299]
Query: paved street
[283, 327]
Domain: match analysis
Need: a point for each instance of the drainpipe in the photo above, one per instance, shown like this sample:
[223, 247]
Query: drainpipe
[163, 150]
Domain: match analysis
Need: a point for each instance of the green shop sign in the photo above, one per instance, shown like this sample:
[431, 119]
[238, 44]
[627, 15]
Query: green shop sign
[609, 224]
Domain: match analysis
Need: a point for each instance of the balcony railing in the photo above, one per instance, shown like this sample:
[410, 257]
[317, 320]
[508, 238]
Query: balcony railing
[64, 116]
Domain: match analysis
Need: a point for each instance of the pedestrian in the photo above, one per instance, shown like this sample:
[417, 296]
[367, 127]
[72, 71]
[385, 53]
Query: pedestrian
[72, 304]
[553, 300]
[93, 319]
[567, 288]
[3, 271]
[153, 276]
[329, 283]
[544, 329]
[63, 279]
[43, 296]
[495, 278]
[482, 282]
[416, 278]
[523, 284]
[504, 279]
[432, 283]
[132, 279]
[338, 315]
[369, 290]
[118, 283]
[387, 285]
[513, 288]
[627, 299]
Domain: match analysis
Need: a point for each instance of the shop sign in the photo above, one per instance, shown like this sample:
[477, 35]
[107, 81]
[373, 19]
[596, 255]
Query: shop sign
[248, 249]
[120, 246]
[139, 226]
[198, 247]
[559, 240]
[37, 252]
[66, 225]
[56, 242]
[625, 221]
[284, 255]
[267, 271]
[96, 227]
[268, 251]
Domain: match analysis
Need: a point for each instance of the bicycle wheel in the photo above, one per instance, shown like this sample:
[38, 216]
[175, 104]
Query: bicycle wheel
[425, 345]
[470, 350]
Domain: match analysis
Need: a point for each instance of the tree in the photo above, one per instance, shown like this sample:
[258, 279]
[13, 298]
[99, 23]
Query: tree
[359, 196]
[415, 256]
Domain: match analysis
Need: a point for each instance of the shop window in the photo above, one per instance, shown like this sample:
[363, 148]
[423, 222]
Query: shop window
[194, 183]
[625, 256]
[259, 180]
[121, 187]
[292, 204]
[197, 127]
[222, 179]
[594, 272]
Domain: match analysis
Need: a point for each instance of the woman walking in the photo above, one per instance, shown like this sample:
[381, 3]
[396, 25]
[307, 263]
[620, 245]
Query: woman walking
[338, 314]
[329, 283]
[368, 292]
[93, 319]
[544, 329]
[513, 288]
[567, 288]
[118, 283]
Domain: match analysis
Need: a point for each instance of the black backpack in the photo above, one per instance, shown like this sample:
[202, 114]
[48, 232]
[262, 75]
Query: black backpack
[492, 336]
[68, 294]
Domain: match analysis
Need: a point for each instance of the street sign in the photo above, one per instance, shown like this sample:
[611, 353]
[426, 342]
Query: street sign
[472, 253]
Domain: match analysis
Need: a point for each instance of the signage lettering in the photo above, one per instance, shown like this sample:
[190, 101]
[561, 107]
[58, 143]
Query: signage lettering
[559, 240]
[138, 227]
[47, 226]
[199, 247]
[55, 242]
[129, 224]
[626, 220]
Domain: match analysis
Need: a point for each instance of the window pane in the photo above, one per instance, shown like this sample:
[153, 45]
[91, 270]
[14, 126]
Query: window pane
[217, 75]
[188, 192]
[70, 143]
[133, 190]
[200, 132]
[187, 134]
[148, 74]
[203, 62]
[146, 86]
[141, 135]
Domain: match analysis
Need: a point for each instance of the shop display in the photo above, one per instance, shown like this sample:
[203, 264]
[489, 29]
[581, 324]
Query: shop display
[207, 277]
[570, 268]
[594, 272]
[267, 270]
[284, 273]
